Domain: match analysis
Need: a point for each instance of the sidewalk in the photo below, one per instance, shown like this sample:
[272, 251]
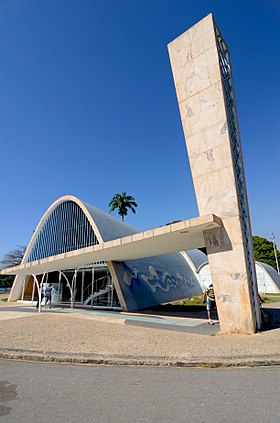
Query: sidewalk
[102, 337]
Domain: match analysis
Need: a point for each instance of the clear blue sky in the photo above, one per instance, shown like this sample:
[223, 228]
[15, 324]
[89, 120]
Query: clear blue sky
[88, 107]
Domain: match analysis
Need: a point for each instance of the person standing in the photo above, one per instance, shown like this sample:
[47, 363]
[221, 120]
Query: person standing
[48, 295]
[209, 299]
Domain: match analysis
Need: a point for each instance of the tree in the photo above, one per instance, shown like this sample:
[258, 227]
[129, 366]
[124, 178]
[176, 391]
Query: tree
[263, 251]
[6, 281]
[123, 202]
[13, 257]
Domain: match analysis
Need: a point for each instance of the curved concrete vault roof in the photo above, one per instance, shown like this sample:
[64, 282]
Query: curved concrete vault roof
[108, 226]
[148, 267]
[113, 240]
[105, 226]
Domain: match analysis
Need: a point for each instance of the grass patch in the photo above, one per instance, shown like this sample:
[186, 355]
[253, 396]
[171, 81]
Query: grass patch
[194, 301]
[270, 298]
[189, 304]
[4, 300]
[197, 301]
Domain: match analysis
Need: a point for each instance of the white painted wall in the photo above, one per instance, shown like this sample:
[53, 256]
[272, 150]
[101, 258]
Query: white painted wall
[267, 283]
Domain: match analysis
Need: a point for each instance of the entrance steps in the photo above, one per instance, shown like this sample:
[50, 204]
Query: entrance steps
[104, 291]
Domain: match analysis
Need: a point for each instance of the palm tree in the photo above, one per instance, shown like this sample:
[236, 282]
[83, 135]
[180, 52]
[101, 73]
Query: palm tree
[122, 202]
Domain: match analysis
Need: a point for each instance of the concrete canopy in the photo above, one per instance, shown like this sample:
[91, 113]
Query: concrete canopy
[147, 268]
[184, 235]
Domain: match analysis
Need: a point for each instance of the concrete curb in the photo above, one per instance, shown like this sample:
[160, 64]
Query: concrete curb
[90, 359]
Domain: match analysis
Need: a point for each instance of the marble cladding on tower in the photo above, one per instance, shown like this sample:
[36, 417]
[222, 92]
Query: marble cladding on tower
[199, 87]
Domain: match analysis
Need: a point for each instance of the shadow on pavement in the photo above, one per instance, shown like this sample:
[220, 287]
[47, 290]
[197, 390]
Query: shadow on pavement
[192, 312]
[199, 312]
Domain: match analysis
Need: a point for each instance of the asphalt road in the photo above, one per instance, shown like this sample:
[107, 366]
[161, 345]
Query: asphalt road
[35, 392]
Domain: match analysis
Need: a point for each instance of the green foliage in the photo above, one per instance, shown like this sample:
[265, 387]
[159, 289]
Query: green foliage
[6, 281]
[122, 202]
[263, 251]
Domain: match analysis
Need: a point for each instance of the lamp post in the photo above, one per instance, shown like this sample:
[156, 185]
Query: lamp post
[275, 252]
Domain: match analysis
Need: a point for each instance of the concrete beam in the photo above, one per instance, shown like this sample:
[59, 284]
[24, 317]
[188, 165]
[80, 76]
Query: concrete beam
[184, 235]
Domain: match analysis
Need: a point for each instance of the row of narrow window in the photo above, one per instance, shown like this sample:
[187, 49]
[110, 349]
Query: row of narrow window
[65, 229]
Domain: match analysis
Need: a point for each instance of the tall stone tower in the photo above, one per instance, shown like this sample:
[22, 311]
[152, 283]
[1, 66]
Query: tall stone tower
[204, 86]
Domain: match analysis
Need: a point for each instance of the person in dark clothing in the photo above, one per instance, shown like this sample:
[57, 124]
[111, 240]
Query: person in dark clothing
[48, 294]
[209, 299]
